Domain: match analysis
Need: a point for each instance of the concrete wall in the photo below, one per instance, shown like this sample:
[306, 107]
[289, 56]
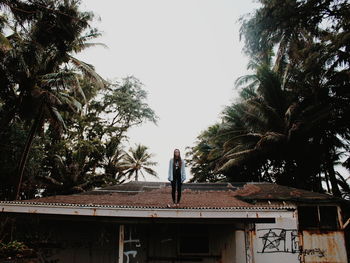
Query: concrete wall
[271, 242]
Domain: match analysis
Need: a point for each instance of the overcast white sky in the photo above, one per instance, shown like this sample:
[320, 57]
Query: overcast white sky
[186, 52]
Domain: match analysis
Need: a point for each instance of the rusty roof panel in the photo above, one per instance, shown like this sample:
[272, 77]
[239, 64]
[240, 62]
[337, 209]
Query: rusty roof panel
[268, 191]
[152, 198]
[195, 195]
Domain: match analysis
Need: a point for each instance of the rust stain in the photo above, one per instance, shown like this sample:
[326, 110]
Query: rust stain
[247, 190]
[296, 193]
[76, 212]
[252, 237]
[323, 246]
[154, 215]
[33, 211]
[94, 213]
[121, 243]
[280, 219]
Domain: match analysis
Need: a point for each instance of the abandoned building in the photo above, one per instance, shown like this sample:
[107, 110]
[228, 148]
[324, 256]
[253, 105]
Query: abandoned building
[216, 222]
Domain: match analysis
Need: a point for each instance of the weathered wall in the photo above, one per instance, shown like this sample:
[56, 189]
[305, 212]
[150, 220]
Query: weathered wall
[271, 242]
[240, 247]
[96, 241]
[268, 243]
[323, 247]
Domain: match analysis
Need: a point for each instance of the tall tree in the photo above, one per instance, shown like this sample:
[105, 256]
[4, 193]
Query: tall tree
[290, 123]
[90, 153]
[39, 70]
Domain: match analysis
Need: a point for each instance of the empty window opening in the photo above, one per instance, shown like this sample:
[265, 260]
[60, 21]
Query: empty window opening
[193, 240]
[318, 217]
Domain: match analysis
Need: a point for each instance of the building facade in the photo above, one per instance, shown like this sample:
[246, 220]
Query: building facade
[223, 222]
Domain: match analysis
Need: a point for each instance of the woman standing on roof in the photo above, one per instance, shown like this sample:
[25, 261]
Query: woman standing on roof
[176, 175]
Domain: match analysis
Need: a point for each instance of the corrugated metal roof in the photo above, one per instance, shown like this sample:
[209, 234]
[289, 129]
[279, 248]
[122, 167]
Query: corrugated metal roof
[273, 192]
[157, 195]
[137, 195]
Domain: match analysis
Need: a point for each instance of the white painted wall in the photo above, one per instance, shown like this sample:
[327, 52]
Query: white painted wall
[277, 242]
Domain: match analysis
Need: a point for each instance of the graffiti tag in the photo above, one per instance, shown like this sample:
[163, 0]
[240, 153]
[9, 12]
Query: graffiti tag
[312, 252]
[131, 246]
[279, 240]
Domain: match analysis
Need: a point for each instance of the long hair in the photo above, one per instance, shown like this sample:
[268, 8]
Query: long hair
[177, 158]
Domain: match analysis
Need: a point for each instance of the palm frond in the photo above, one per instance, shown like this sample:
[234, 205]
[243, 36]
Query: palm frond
[151, 171]
[237, 159]
[57, 117]
[89, 71]
[83, 46]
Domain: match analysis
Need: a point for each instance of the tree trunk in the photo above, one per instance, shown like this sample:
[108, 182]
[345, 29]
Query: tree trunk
[333, 179]
[136, 175]
[27, 147]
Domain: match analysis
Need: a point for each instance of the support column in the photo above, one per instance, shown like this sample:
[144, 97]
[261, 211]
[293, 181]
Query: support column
[121, 244]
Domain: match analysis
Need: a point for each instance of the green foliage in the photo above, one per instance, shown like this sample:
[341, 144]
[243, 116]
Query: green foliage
[12, 143]
[202, 157]
[14, 250]
[89, 154]
[82, 119]
[290, 124]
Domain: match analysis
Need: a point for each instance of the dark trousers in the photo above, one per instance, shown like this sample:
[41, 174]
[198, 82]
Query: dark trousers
[176, 185]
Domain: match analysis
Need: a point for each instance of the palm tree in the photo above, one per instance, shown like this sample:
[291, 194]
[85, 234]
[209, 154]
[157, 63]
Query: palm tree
[112, 162]
[312, 69]
[69, 175]
[272, 125]
[45, 79]
[290, 124]
[203, 156]
[137, 161]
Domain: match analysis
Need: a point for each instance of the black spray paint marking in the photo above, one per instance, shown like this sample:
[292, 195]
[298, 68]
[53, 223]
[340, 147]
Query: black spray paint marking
[280, 240]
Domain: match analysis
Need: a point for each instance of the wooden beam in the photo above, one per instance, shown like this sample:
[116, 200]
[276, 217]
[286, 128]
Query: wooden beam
[121, 244]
